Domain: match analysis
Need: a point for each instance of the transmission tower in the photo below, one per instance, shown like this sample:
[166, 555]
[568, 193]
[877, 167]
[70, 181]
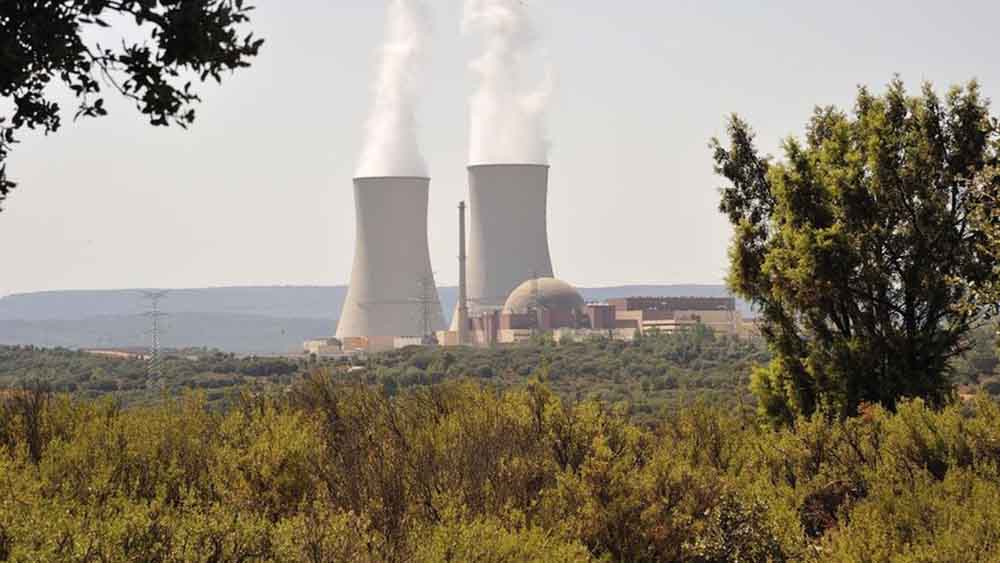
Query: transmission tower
[428, 307]
[154, 314]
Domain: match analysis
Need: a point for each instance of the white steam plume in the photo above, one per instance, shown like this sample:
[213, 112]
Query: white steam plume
[507, 123]
[391, 147]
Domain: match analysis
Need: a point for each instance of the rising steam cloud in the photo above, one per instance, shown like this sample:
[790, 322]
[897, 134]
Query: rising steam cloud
[507, 122]
[391, 147]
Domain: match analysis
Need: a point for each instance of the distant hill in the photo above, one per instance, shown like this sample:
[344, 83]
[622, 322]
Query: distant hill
[236, 319]
[282, 302]
[241, 334]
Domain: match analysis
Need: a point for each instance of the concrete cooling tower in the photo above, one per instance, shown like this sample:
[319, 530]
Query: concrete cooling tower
[392, 291]
[508, 239]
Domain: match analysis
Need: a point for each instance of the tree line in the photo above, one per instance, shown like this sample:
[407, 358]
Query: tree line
[659, 371]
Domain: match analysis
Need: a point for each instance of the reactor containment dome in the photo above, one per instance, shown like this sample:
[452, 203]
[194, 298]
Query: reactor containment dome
[545, 293]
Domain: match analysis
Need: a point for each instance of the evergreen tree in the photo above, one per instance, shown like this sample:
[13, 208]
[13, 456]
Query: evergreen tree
[858, 249]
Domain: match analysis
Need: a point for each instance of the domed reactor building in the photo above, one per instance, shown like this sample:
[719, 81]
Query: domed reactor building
[536, 306]
[545, 304]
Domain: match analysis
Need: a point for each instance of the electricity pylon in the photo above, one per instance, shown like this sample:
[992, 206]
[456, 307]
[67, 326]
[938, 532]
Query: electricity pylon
[154, 372]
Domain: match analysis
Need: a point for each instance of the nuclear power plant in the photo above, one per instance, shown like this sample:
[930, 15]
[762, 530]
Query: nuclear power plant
[392, 292]
[392, 298]
[507, 288]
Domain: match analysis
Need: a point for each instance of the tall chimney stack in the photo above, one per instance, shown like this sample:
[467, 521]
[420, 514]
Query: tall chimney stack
[463, 303]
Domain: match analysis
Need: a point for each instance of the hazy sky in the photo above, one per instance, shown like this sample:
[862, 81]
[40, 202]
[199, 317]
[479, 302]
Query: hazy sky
[259, 190]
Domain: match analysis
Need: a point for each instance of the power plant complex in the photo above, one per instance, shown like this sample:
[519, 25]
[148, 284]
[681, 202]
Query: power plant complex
[507, 288]
[507, 291]
[392, 298]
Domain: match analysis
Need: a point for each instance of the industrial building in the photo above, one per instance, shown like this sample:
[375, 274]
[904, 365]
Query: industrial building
[668, 314]
[536, 305]
[322, 347]
[552, 306]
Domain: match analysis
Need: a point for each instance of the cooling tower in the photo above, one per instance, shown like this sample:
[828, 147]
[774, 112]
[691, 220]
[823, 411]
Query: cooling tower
[392, 290]
[508, 239]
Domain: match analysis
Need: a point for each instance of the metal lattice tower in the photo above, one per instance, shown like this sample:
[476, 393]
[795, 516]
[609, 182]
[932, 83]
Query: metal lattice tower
[428, 308]
[154, 372]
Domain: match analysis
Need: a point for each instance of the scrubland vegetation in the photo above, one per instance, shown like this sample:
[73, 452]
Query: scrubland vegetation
[656, 372]
[92, 376]
[330, 471]
[661, 371]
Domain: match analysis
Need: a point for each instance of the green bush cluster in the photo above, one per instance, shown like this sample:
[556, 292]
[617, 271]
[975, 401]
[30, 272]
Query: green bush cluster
[92, 375]
[459, 471]
[655, 372]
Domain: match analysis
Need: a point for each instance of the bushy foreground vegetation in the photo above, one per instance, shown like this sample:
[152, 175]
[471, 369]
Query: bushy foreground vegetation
[463, 472]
